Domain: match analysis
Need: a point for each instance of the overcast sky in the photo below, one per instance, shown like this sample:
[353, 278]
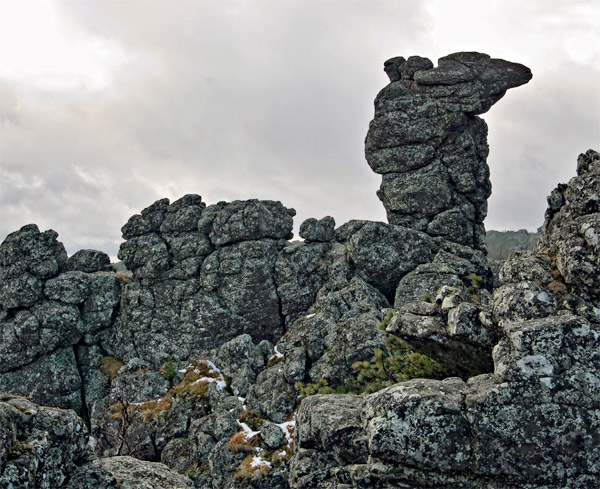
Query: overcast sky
[107, 106]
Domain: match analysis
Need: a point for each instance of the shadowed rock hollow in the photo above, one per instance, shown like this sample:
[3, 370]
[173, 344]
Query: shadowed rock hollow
[368, 355]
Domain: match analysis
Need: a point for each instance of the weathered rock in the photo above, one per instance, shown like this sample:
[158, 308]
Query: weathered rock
[51, 380]
[37, 331]
[383, 254]
[430, 146]
[135, 382]
[149, 220]
[300, 271]
[69, 287]
[523, 266]
[39, 446]
[26, 258]
[271, 396]
[127, 473]
[88, 261]
[521, 301]
[571, 228]
[516, 425]
[271, 434]
[318, 230]
[250, 220]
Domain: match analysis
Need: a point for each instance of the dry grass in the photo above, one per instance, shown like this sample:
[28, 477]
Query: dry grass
[239, 444]
[123, 278]
[245, 471]
[274, 360]
[190, 386]
[557, 287]
[109, 366]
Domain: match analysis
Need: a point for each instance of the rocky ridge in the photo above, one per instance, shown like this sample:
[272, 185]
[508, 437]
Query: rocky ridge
[233, 357]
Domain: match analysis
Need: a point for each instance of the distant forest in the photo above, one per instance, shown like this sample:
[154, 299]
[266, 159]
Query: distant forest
[500, 244]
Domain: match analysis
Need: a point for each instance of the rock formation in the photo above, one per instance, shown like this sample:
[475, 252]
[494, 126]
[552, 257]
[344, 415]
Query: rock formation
[431, 148]
[226, 357]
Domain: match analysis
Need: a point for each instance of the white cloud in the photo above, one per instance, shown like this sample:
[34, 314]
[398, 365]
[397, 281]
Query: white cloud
[142, 100]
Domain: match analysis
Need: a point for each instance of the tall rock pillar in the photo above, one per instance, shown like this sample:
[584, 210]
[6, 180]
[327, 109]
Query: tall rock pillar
[431, 148]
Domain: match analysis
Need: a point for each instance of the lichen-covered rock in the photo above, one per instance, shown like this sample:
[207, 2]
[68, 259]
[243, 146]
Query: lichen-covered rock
[321, 230]
[27, 257]
[127, 473]
[240, 360]
[88, 261]
[37, 331]
[516, 425]
[523, 266]
[52, 380]
[251, 220]
[69, 287]
[383, 254]
[430, 146]
[271, 395]
[242, 275]
[39, 446]
[135, 382]
[300, 271]
[521, 301]
[571, 229]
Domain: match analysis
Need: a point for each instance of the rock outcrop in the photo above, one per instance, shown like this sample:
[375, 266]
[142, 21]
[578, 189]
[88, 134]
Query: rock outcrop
[371, 355]
[431, 148]
[532, 423]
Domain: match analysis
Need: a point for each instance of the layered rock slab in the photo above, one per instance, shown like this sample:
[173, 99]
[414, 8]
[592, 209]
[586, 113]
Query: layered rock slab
[429, 145]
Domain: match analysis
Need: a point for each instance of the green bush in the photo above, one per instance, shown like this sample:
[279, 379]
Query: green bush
[398, 362]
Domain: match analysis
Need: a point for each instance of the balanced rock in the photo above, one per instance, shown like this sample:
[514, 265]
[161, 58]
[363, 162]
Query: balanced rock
[430, 146]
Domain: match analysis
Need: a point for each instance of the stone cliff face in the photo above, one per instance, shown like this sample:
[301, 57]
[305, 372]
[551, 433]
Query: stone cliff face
[371, 355]
[431, 148]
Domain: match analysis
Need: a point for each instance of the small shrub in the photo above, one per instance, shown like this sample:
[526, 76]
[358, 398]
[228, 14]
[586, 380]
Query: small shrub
[169, 371]
[19, 448]
[123, 278]
[427, 298]
[396, 363]
[557, 287]
[386, 322]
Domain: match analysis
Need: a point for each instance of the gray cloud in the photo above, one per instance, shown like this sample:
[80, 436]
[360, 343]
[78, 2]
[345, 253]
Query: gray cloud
[257, 100]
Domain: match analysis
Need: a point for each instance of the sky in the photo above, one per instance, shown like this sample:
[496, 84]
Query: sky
[107, 106]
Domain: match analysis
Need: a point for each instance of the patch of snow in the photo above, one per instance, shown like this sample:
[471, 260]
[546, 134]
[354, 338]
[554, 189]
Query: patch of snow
[248, 433]
[308, 316]
[282, 453]
[220, 382]
[212, 367]
[259, 462]
[285, 428]
[277, 354]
